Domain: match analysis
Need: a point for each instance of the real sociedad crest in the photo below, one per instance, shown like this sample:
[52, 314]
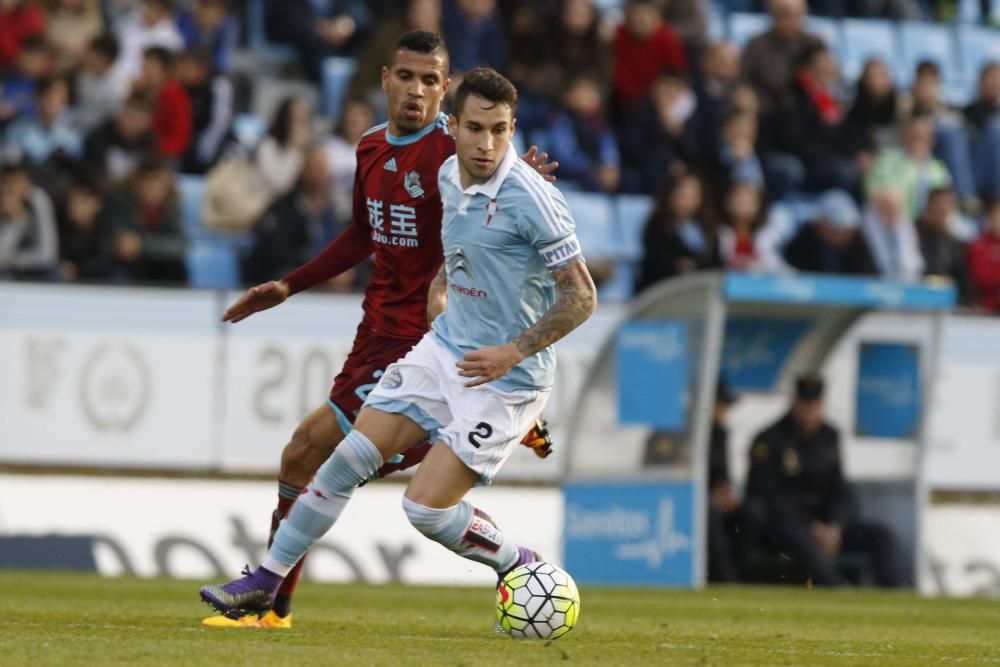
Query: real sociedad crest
[411, 183]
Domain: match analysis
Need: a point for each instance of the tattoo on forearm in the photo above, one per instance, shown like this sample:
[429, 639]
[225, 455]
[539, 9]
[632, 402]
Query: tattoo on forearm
[577, 299]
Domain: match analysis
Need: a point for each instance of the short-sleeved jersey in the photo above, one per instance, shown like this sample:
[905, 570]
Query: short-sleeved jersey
[501, 240]
[396, 199]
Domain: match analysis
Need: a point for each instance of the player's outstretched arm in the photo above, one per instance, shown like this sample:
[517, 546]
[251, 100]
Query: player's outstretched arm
[261, 297]
[538, 160]
[437, 295]
[576, 302]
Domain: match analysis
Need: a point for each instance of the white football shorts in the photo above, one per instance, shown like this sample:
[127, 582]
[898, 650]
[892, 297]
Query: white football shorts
[482, 425]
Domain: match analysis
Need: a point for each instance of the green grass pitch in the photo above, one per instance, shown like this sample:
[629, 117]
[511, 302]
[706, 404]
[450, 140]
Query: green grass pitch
[66, 619]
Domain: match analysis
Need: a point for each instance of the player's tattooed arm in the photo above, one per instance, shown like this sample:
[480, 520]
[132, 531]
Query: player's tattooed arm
[437, 295]
[577, 300]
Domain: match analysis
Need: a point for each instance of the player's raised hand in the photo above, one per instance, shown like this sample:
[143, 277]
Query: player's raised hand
[538, 160]
[261, 297]
[488, 363]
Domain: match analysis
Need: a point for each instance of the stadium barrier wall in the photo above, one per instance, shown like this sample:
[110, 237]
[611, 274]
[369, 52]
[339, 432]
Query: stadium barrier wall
[116, 377]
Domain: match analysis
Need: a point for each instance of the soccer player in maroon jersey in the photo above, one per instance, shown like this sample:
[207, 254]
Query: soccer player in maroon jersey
[396, 216]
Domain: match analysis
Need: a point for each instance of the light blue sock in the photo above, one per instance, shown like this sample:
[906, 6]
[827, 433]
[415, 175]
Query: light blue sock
[355, 460]
[466, 530]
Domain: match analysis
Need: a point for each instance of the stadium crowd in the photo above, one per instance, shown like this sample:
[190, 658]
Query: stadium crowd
[105, 105]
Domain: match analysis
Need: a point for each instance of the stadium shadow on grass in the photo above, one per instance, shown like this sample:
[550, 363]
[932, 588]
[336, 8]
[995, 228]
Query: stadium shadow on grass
[71, 619]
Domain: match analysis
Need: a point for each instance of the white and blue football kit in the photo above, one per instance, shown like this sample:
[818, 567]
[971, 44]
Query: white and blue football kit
[501, 238]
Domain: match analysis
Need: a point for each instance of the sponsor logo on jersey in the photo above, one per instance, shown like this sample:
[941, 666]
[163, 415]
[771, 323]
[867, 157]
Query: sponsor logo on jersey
[411, 183]
[390, 165]
[459, 263]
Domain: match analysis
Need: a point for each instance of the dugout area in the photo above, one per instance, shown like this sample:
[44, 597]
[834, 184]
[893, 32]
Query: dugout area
[636, 474]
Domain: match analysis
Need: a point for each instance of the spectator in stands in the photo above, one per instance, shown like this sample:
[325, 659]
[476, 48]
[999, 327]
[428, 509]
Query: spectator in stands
[86, 237]
[651, 133]
[723, 503]
[117, 147]
[341, 149]
[687, 17]
[676, 239]
[17, 87]
[317, 30]
[832, 243]
[813, 151]
[151, 25]
[366, 84]
[70, 27]
[46, 135]
[770, 59]
[577, 44]
[280, 156]
[984, 261]
[871, 120]
[149, 243]
[951, 140]
[29, 246]
[474, 34]
[713, 92]
[171, 105]
[742, 216]
[645, 48]
[211, 96]
[209, 27]
[297, 226]
[735, 159]
[99, 93]
[896, 10]
[891, 235]
[911, 168]
[983, 115]
[19, 19]
[796, 475]
[944, 254]
[580, 136]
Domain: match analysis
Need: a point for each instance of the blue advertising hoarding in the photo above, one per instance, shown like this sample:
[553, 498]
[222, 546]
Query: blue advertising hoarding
[652, 367]
[889, 393]
[630, 533]
[755, 350]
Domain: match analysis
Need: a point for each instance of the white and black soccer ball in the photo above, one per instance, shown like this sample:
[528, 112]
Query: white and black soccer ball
[537, 601]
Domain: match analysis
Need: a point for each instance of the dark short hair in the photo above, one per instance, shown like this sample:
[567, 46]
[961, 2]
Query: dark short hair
[107, 45]
[167, 5]
[488, 84]
[164, 56]
[809, 387]
[89, 182]
[47, 83]
[421, 41]
[36, 42]
[152, 164]
[928, 68]
[138, 99]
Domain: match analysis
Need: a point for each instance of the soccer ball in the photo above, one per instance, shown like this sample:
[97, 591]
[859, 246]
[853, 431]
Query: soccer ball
[537, 601]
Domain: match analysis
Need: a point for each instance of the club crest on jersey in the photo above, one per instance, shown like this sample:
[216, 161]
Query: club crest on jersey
[411, 183]
[491, 210]
[393, 379]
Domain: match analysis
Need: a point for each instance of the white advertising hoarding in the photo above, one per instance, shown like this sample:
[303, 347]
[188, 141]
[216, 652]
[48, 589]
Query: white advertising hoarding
[206, 530]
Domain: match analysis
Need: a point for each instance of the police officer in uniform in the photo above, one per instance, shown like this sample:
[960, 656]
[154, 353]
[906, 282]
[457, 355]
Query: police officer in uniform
[796, 476]
[723, 504]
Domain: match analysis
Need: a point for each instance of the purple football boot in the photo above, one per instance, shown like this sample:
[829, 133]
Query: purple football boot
[254, 592]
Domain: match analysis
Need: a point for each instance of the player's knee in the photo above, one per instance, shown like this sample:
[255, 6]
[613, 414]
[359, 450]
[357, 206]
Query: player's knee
[427, 520]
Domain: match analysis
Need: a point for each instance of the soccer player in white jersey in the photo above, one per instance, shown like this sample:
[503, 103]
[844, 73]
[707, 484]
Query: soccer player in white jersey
[513, 283]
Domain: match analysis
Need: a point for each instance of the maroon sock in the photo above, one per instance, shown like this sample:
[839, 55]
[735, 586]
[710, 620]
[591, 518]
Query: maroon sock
[287, 495]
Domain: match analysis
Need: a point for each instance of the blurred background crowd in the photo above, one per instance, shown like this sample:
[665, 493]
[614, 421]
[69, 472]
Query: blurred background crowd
[211, 142]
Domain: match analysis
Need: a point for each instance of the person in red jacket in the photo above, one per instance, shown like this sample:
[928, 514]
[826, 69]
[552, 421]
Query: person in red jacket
[19, 19]
[172, 107]
[984, 261]
[645, 47]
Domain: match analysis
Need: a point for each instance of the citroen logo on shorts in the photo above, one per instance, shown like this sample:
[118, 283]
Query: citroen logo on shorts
[392, 379]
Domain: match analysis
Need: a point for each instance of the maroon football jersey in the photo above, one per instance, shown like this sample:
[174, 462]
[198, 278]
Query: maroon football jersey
[396, 199]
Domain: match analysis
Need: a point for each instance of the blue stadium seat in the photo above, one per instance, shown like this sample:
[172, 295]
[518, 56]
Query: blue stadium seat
[212, 265]
[192, 191]
[744, 27]
[631, 213]
[263, 49]
[249, 129]
[865, 39]
[594, 216]
[926, 41]
[337, 73]
[977, 46]
[829, 30]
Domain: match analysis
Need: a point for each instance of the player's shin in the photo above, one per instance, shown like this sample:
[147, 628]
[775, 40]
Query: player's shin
[354, 461]
[466, 530]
